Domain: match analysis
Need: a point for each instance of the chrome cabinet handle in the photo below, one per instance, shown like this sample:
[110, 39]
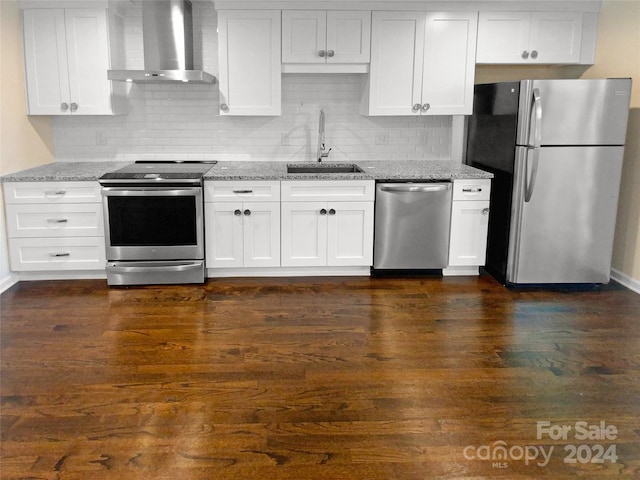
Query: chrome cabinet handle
[472, 190]
[330, 53]
[243, 191]
[525, 55]
[57, 220]
[247, 212]
[224, 107]
[61, 254]
[332, 211]
[485, 211]
[322, 53]
[426, 107]
[237, 212]
[323, 211]
[534, 54]
[64, 106]
[416, 107]
[57, 193]
[74, 107]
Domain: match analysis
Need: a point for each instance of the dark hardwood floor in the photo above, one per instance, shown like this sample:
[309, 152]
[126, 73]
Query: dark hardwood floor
[312, 378]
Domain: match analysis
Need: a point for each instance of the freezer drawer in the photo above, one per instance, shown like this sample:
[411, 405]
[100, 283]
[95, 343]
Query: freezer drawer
[412, 223]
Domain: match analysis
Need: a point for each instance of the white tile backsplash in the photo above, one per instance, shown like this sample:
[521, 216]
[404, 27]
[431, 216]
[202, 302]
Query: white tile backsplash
[178, 121]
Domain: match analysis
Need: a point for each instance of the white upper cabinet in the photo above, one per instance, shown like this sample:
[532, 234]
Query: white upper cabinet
[249, 59]
[334, 37]
[67, 56]
[422, 63]
[536, 37]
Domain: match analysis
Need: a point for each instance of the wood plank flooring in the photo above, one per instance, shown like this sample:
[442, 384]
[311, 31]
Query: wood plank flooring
[318, 378]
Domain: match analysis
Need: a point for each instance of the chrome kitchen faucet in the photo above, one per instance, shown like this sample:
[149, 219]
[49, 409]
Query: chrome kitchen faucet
[321, 147]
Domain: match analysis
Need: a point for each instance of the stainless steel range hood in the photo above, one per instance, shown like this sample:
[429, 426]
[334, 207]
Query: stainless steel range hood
[167, 35]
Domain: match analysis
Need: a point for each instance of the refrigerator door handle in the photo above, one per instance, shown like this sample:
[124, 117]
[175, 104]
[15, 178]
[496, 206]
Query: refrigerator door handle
[533, 153]
[537, 110]
[531, 172]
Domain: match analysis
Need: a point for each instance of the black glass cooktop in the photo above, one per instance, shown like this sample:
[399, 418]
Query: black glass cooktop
[159, 172]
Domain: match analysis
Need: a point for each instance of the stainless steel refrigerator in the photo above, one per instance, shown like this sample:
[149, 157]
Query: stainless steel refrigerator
[555, 148]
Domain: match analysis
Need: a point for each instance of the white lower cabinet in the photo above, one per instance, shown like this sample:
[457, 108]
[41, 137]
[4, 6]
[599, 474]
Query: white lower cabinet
[327, 223]
[54, 226]
[469, 223]
[327, 234]
[242, 224]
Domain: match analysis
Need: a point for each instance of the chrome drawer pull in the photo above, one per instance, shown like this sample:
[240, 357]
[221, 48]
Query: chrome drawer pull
[57, 220]
[55, 192]
[243, 191]
[472, 190]
[62, 254]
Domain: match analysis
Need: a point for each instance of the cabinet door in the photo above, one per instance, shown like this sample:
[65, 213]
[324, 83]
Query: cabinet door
[449, 63]
[46, 71]
[555, 37]
[350, 234]
[249, 59]
[468, 238]
[223, 227]
[304, 234]
[261, 232]
[304, 36]
[88, 61]
[503, 37]
[397, 55]
[348, 36]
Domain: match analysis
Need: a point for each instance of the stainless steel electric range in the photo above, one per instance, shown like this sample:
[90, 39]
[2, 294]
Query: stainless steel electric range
[154, 223]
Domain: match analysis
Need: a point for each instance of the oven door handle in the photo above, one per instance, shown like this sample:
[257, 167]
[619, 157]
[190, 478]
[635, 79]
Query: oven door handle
[153, 268]
[151, 192]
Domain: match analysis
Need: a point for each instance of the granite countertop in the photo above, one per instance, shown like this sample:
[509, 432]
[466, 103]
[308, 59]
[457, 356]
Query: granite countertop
[373, 170]
[65, 172]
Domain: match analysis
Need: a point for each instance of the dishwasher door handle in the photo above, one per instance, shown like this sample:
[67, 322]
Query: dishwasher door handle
[439, 187]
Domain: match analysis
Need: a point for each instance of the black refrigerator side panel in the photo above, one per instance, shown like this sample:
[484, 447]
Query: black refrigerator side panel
[492, 129]
[491, 146]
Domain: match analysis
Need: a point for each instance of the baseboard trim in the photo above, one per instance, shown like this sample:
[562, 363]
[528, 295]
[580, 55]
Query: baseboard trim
[288, 272]
[9, 281]
[625, 280]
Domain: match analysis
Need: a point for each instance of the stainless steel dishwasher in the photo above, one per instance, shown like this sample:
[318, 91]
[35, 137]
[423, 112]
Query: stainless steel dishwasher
[412, 225]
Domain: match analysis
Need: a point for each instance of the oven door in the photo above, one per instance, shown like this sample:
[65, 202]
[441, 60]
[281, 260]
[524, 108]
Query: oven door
[153, 223]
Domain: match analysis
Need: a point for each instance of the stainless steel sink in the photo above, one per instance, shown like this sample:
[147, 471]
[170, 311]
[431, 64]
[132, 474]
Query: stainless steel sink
[320, 168]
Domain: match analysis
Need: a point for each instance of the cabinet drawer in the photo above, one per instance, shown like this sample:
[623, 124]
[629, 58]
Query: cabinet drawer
[233, 191]
[52, 192]
[33, 254]
[469, 189]
[341, 191]
[64, 220]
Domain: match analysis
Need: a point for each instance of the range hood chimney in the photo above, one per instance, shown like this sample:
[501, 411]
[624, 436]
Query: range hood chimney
[167, 36]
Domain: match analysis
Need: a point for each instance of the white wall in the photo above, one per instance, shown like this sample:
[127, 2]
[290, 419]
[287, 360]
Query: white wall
[176, 121]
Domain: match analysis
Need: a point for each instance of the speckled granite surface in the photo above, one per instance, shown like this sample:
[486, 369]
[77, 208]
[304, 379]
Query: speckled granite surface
[64, 172]
[374, 170]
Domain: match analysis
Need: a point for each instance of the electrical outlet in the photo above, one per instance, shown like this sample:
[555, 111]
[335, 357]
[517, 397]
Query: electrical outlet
[101, 138]
[422, 138]
[284, 139]
[382, 138]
